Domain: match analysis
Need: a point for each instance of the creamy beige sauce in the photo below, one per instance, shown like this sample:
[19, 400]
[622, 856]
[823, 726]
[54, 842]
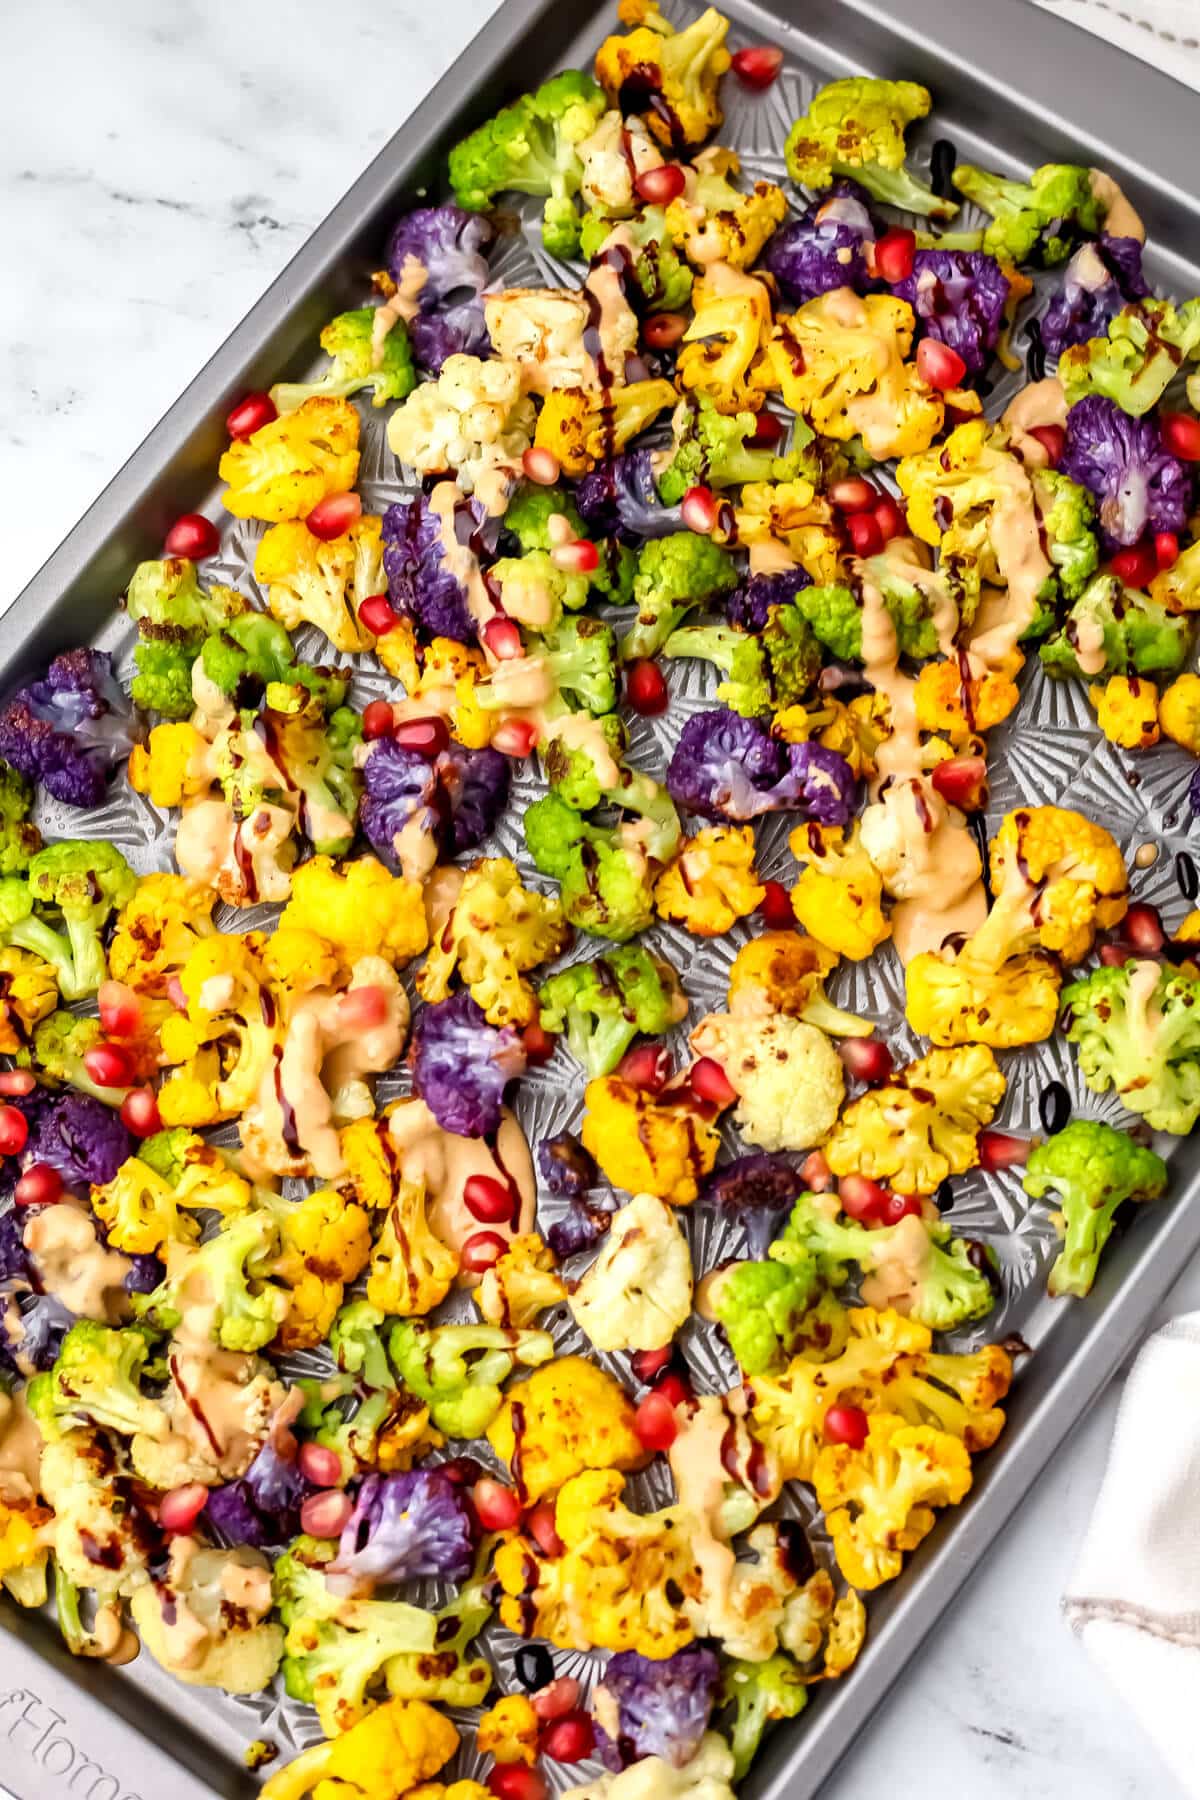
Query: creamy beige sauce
[616, 327]
[559, 530]
[207, 841]
[580, 731]
[1121, 217]
[441, 897]
[1024, 566]
[712, 1449]
[769, 557]
[529, 601]
[884, 380]
[1142, 1009]
[416, 847]
[460, 559]
[226, 1389]
[20, 1449]
[445, 1163]
[895, 1279]
[1090, 653]
[73, 1264]
[403, 304]
[1039, 403]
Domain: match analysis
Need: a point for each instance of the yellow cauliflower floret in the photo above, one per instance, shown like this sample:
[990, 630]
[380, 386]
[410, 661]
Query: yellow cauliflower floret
[411, 1270]
[223, 974]
[839, 896]
[296, 961]
[648, 1143]
[139, 1211]
[497, 929]
[840, 363]
[325, 1241]
[725, 341]
[382, 1757]
[581, 426]
[1058, 878]
[314, 581]
[1179, 712]
[973, 472]
[1127, 710]
[434, 1790]
[1178, 588]
[173, 765]
[712, 222]
[789, 516]
[24, 1548]
[959, 708]
[856, 730]
[300, 458]
[923, 1125]
[509, 1730]
[712, 883]
[878, 1501]
[359, 907]
[520, 1285]
[952, 1002]
[683, 66]
[157, 931]
[787, 1076]
[575, 1416]
[785, 972]
[28, 994]
[443, 676]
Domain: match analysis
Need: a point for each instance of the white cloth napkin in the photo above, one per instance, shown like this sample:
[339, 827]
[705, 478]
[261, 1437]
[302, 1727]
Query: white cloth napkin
[1134, 1598]
[1163, 32]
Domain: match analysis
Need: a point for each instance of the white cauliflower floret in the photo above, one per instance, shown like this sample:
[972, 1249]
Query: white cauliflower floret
[205, 1622]
[638, 1292]
[898, 833]
[243, 1395]
[473, 420]
[747, 1612]
[616, 153]
[93, 1513]
[540, 331]
[787, 1076]
[707, 1777]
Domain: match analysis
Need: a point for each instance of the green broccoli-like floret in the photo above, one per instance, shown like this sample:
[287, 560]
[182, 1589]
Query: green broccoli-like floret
[835, 613]
[88, 883]
[356, 1343]
[661, 273]
[95, 1381]
[602, 1005]
[348, 341]
[309, 754]
[60, 1044]
[1140, 1037]
[173, 615]
[528, 518]
[581, 655]
[585, 779]
[1043, 217]
[531, 147]
[674, 574]
[166, 1152]
[162, 683]
[835, 617]
[1068, 515]
[763, 1307]
[760, 1693]
[1136, 634]
[246, 654]
[458, 1370]
[230, 1269]
[1091, 1169]
[19, 836]
[1137, 358]
[449, 1678]
[607, 886]
[766, 672]
[711, 450]
[856, 127]
[535, 591]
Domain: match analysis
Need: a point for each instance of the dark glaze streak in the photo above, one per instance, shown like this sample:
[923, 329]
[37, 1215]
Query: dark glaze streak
[287, 1113]
[194, 1408]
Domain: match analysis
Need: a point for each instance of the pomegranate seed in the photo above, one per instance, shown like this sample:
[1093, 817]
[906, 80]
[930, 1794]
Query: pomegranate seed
[539, 1044]
[541, 465]
[516, 737]
[938, 365]
[463, 1471]
[961, 781]
[502, 639]
[326, 1515]
[655, 1422]
[1115, 956]
[513, 1781]
[1053, 439]
[120, 1008]
[320, 1465]
[864, 533]
[497, 1506]
[846, 1425]
[658, 187]
[1143, 929]
[648, 1066]
[40, 1185]
[698, 510]
[1166, 549]
[333, 516]
[709, 1082]
[860, 1198]
[428, 736]
[487, 1199]
[482, 1251]
[853, 495]
[767, 430]
[646, 689]
[250, 415]
[176, 995]
[577, 558]
[376, 720]
[1136, 566]
[662, 331]
[758, 65]
[646, 1364]
[901, 1206]
[894, 253]
[139, 1112]
[192, 536]
[180, 1507]
[14, 1131]
[1181, 435]
[816, 1173]
[362, 1008]
[673, 1388]
[557, 1698]
[775, 907]
[377, 615]
[867, 1059]
[541, 1528]
[17, 1082]
[108, 1066]
[569, 1740]
[1002, 1150]
[888, 514]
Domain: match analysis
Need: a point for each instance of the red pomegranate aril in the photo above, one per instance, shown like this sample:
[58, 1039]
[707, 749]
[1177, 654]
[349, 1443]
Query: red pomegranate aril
[816, 1173]
[767, 430]
[888, 514]
[502, 638]
[17, 1082]
[655, 1422]
[539, 1043]
[325, 1515]
[1143, 929]
[698, 510]
[962, 782]
[646, 689]
[853, 494]
[250, 415]
[541, 465]
[487, 1199]
[938, 365]
[497, 1506]
[1136, 566]
[900, 1206]
[176, 995]
[864, 534]
[577, 557]
[557, 1698]
[1053, 439]
[1181, 435]
[658, 187]
[846, 1425]
[758, 65]
[334, 515]
[482, 1251]
[376, 720]
[320, 1465]
[542, 1529]
[672, 1388]
[775, 907]
[1115, 956]
[362, 1008]
[516, 737]
[1166, 549]
[894, 253]
[108, 1066]
[40, 1185]
[513, 1781]
[139, 1112]
[646, 1364]
[14, 1131]
[860, 1198]
[647, 1066]
[866, 1059]
[1002, 1150]
[180, 1507]
[120, 1009]
[710, 1083]
[569, 1740]
[428, 736]
[377, 615]
[192, 536]
[662, 331]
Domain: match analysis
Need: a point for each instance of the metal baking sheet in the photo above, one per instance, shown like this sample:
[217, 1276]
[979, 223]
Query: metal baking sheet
[1012, 85]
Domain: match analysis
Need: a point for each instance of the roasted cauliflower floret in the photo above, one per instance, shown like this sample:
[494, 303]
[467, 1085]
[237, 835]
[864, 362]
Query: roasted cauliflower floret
[574, 1416]
[923, 1125]
[300, 458]
[712, 882]
[638, 1292]
[952, 1001]
[660, 1144]
[839, 896]
[787, 1075]
[1058, 879]
[496, 931]
[879, 1501]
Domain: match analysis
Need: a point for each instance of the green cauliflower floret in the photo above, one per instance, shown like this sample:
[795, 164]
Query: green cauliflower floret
[458, 1370]
[711, 450]
[661, 273]
[586, 779]
[760, 1693]
[602, 1005]
[60, 1044]
[856, 127]
[531, 147]
[19, 836]
[173, 615]
[1091, 1170]
[246, 654]
[1136, 634]
[766, 672]
[356, 1343]
[230, 1269]
[1140, 1037]
[95, 1381]
[674, 574]
[528, 518]
[581, 655]
[1068, 515]
[1137, 358]
[607, 886]
[764, 1307]
[535, 591]
[310, 755]
[835, 613]
[166, 1152]
[349, 341]
[1045, 215]
[86, 883]
[449, 1677]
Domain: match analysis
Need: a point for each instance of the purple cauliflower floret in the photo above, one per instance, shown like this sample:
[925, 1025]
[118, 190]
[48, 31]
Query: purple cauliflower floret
[459, 795]
[756, 1190]
[69, 730]
[404, 1527]
[262, 1507]
[461, 1065]
[15, 1270]
[419, 583]
[31, 1340]
[80, 1137]
[754, 596]
[618, 499]
[1194, 792]
[1099, 280]
[1138, 485]
[449, 244]
[663, 1707]
[826, 247]
[567, 1169]
[959, 297]
[581, 1227]
[727, 767]
[145, 1274]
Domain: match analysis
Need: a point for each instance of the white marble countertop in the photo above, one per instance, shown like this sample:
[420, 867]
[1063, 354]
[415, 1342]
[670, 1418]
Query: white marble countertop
[159, 167]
